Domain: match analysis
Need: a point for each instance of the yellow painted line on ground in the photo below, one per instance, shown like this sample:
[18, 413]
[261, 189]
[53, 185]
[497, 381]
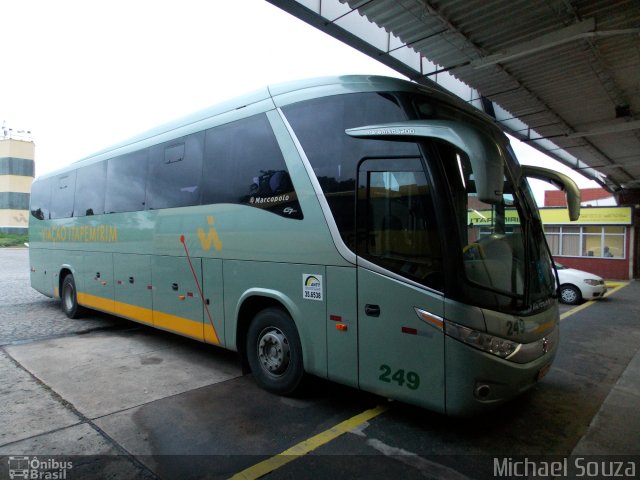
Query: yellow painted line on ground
[612, 287]
[306, 446]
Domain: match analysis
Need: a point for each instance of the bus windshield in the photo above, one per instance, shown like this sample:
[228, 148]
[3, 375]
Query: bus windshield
[506, 263]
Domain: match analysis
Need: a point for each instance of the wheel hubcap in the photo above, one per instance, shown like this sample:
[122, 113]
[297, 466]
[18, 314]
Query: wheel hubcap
[568, 295]
[273, 351]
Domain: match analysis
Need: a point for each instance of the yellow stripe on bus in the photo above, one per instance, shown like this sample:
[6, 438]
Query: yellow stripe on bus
[181, 325]
[165, 321]
[99, 303]
[139, 314]
[210, 335]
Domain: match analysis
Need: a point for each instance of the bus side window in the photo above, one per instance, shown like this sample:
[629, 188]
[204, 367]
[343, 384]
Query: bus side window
[41, 199]
[126, 182]
[90, 186]
[244, 165]
[62, 195]
[397, 221]
[320, 123]
[176, 172]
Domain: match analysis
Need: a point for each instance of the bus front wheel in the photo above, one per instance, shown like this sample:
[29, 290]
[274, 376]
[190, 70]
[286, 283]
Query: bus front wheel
[274, 351]
[69, 298]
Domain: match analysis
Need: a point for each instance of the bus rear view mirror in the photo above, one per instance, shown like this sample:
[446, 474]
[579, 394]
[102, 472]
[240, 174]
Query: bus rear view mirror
[560, 180]
[483, 152]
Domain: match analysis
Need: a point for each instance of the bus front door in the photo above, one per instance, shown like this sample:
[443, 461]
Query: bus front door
[400, 347]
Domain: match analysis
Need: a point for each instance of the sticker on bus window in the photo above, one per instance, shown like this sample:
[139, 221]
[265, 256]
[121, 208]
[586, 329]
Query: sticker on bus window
[311, 286]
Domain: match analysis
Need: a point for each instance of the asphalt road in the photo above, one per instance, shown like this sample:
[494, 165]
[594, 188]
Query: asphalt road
[121, 400]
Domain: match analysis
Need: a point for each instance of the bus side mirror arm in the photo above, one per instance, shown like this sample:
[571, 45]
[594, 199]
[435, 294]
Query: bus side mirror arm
[561, 181]
[483, 152]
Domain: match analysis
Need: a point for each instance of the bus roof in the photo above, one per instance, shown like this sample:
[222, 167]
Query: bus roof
[260, 101]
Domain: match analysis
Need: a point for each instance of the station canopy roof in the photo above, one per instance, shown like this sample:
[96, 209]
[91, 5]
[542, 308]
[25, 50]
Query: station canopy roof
[561, 75]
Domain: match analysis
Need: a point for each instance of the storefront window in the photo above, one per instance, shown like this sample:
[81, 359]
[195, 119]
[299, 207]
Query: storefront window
[570, 241]
[553, 239]
[587, 241]
[614, 239]
[592, 241]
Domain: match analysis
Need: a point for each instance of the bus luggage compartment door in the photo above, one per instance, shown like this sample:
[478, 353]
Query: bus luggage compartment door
[177, 305]
[133, 298]
[96, 289]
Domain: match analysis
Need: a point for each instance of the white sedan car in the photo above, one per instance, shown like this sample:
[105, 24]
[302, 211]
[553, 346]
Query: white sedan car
[576, 285]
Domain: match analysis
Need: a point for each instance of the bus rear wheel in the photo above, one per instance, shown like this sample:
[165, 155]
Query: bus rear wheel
[274, 352]
[69, 298]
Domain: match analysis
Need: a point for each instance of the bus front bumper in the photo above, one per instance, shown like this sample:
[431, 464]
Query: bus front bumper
[477, 381]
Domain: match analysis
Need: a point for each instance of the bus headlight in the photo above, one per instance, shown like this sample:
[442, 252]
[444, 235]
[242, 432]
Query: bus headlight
[497, 346]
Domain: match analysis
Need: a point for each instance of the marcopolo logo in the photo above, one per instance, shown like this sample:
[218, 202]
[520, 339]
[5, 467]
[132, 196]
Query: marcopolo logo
[274, 199]
[392, 131]
[312, 287]
[38, 468]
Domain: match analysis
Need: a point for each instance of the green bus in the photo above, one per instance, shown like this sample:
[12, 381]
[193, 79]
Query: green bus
[319, 227]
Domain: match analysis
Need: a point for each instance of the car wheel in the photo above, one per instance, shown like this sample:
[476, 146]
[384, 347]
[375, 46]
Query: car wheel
[570, 294]
[274, 351]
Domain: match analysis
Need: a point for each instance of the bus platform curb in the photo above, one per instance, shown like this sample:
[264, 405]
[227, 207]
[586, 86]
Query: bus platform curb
[615, 429]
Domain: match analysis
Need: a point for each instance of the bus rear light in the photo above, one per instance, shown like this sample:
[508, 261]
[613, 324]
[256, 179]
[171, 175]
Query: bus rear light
[335, 318]
[342, 327]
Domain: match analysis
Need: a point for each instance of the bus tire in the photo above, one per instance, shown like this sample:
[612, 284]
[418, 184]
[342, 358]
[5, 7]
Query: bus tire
[274, 351]
[69, 298]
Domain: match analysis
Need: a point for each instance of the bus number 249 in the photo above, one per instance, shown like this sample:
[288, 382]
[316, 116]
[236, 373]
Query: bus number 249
[410, 379]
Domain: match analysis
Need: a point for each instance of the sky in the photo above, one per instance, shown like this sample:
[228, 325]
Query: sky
[84, 75]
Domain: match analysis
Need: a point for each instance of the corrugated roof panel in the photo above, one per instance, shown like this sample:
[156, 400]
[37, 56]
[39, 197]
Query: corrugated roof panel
[577, 78]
